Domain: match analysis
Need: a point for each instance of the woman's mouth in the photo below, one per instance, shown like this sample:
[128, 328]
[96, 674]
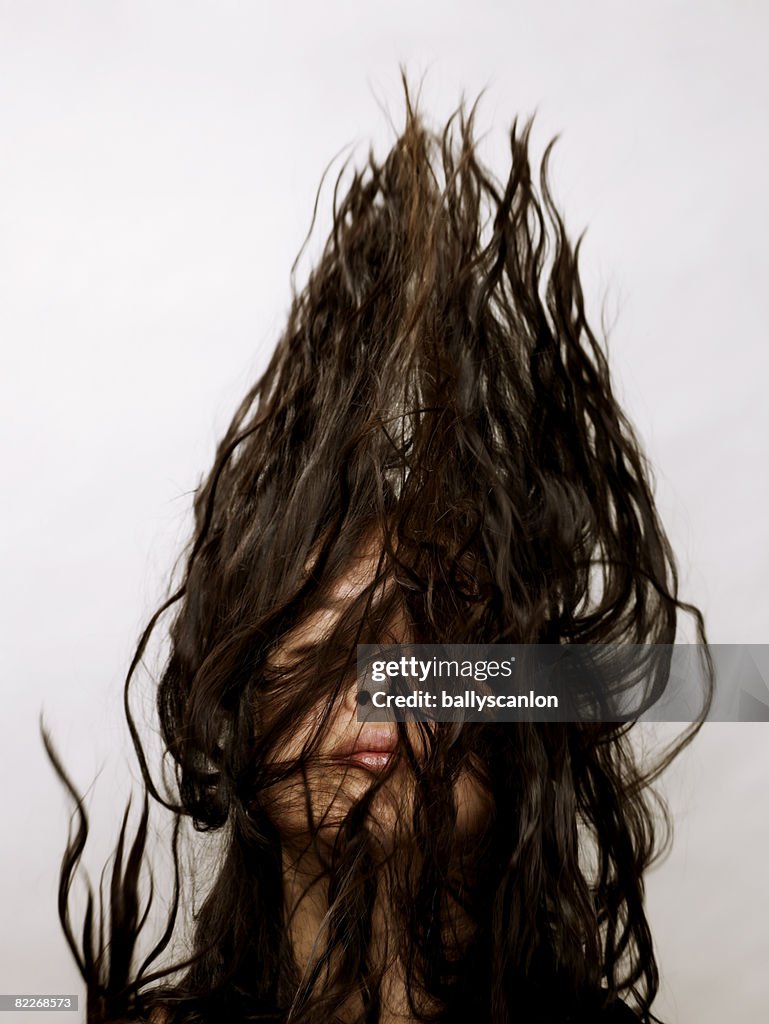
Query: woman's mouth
[374, 760]
[370, 749]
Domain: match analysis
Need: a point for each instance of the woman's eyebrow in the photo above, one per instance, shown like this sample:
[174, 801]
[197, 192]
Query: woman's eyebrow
[331, 603]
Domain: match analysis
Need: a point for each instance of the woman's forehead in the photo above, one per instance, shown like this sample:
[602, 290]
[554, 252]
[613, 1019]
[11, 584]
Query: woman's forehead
[359, 573]
[344, 588]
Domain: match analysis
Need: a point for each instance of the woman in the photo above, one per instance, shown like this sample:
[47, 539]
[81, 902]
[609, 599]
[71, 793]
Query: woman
[434, 454]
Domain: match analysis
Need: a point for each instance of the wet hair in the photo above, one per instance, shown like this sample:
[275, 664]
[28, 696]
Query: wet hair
[438, 396]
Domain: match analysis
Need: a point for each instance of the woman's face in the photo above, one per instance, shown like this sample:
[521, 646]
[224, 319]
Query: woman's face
[352, 757]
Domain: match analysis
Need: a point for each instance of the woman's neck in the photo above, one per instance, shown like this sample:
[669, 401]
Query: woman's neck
[309, 922]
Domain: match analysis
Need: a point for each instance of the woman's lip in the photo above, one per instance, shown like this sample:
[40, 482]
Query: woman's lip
[368, 741]
[374, 760]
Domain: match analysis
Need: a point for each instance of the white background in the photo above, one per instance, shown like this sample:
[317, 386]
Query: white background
[158, 164]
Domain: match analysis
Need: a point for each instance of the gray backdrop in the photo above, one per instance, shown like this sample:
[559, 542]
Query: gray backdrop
[158, 163]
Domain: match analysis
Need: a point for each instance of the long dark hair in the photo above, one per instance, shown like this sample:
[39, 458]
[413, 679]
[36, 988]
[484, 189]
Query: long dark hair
[437, 388]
